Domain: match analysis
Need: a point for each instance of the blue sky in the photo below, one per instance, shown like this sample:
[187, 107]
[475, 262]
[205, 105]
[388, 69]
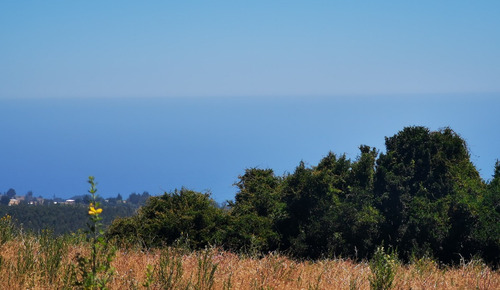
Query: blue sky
[156, 95]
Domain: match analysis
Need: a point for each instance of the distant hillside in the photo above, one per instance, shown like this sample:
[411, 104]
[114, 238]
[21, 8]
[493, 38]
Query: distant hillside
[61, 218]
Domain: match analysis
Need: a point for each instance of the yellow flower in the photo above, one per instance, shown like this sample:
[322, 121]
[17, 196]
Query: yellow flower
[93, 211]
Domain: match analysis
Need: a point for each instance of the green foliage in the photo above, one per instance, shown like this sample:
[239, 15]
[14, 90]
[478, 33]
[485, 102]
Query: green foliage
[251, 225]
[206, 270]
[52, 249]
[4, 200]
[423, 196]
[383, 267]
[430, 194]
[61, 218]
[487, 231]
[94, 272]
[26, 259]
[6, 229]
[168, 273]
[314, 200]
[181, 215]
[41, 253]
[329, 208]
[258, 193]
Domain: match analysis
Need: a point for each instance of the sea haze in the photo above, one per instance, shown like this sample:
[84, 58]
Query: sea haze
[51, 146]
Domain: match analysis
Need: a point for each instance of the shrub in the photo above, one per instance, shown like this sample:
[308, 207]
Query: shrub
[383, 267]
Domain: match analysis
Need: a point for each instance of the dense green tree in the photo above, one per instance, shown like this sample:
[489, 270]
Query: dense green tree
[429, 190]
[301, 203]
[313, 198]
[185, 215]
[330, 207]
[258, 193]
[361, 217]
[255, 211]
[4, 200]
[422, 196]
[488, 231]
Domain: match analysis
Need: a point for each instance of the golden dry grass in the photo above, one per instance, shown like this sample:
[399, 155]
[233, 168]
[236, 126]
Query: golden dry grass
[19, 270]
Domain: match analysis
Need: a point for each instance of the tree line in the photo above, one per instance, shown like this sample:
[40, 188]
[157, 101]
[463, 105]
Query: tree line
[422, 197]
[60, 218]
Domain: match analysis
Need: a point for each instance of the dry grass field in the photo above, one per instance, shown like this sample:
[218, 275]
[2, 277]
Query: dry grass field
[32, 263]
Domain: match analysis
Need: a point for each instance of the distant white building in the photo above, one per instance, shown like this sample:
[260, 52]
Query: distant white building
[14, 201]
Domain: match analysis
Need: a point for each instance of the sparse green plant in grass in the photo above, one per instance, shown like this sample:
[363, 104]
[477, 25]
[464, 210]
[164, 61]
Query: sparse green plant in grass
[424, 265]
[26, 259]
[52, 249]
[383, 266]
[149, 277]
[6, 229]
[206, 270]
[6, 233]
[95, 272]
[227, 283]
[169, 271]
[315, 286]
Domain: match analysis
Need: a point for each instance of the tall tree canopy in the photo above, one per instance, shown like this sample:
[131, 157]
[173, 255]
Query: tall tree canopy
[429, 192]
[422, 196]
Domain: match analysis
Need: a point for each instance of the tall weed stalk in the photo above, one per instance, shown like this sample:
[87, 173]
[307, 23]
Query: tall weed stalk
[26, 259]
[206, 270]
[169, 270]
[52, 250]
[95, 272]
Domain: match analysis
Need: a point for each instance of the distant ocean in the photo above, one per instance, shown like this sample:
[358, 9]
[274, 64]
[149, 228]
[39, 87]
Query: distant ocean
[51, 146]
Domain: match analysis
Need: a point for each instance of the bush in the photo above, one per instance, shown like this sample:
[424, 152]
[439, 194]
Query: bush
[185, 215]
[383, 267]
